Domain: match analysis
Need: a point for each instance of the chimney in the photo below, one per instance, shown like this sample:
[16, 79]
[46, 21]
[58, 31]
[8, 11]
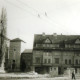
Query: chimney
[43, 34]
[55, 34]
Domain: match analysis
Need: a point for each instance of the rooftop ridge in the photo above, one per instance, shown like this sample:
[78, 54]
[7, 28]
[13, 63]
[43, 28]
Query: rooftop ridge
[17, 39]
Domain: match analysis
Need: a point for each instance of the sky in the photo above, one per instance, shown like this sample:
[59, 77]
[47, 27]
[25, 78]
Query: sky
[28, 17]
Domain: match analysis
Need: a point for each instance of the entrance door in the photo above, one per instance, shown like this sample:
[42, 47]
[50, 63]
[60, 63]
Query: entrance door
[59, 70]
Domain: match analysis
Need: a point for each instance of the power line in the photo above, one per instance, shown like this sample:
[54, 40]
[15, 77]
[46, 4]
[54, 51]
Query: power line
[27, 5]
[19, 7]
[38, 15]
[35, 10]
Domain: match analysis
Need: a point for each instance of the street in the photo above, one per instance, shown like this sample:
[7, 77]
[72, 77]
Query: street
[40, 79]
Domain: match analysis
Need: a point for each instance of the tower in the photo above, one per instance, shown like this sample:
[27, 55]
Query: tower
[17, 46]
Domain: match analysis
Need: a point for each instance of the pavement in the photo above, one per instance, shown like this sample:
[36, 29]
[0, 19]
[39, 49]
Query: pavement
[22, 75]
[33, 76]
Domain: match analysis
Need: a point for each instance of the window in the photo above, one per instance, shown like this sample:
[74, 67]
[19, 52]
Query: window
[54, 68]
[47, 53]
[77, 41]
[57, 60]
[44, 45]
[56, 45]
[47, 45]
[76, 61]
[62, 44]
[45, 60]
[69, 61]
[49, 60]
[77, 54]
[51, 68]
[47, 41]
[37, 60]
[38, 45]
[65, 61]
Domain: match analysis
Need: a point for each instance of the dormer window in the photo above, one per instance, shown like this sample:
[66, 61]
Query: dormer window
[47, 40]
[77, 41]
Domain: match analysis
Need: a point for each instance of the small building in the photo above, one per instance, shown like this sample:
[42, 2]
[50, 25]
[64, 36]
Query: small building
[26, 60]
[17, 46]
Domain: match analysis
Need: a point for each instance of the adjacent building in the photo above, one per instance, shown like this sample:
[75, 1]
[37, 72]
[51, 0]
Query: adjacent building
[26, 59]
[56, 53]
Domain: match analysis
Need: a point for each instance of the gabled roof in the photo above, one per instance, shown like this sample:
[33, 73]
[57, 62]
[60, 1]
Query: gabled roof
[27, 51]
[39, 39]
[17, 40]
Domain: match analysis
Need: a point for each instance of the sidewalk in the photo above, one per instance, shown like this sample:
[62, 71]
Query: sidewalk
[28, 76]
[33, 76]
[22, 75]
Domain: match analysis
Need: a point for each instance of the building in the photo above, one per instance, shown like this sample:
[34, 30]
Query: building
[26, 59]
[17, 46]
[56, 53]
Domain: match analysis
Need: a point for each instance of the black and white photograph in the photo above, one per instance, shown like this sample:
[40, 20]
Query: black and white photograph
[39, 39]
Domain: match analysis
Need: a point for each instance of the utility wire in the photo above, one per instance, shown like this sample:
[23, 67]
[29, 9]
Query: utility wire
[39, 13]
[27, 5]
[9, 2]
[39, 16]
[35, 10]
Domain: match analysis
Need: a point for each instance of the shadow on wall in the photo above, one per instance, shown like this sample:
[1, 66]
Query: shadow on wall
[23, 65]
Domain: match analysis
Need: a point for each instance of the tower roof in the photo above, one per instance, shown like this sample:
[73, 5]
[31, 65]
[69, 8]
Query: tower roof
[17, 40]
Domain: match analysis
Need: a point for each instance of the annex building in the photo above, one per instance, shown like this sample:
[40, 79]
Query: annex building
[26, 60]
[56, 53]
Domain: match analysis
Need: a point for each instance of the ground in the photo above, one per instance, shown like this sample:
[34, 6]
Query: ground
[40, 79]
[34, 76]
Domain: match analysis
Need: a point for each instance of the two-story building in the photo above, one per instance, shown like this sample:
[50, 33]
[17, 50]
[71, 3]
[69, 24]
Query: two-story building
[56, 53]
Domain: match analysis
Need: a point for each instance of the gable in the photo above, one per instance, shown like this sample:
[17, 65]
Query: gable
[47, 40]
[77, 41]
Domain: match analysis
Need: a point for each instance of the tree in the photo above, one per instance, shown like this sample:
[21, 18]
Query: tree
[3, 34]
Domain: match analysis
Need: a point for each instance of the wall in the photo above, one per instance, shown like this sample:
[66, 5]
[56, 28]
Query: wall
[27, 57]
[35, 55]
[14, 53]
[53, 71]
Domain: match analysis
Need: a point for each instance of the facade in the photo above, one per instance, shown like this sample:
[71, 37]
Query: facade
[26, 59]
[17, 46]
[56, 53]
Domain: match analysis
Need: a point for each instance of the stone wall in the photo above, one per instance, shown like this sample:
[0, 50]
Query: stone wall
[14, 54]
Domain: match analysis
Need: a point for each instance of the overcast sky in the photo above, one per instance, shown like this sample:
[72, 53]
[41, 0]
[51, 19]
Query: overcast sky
[28, 17]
